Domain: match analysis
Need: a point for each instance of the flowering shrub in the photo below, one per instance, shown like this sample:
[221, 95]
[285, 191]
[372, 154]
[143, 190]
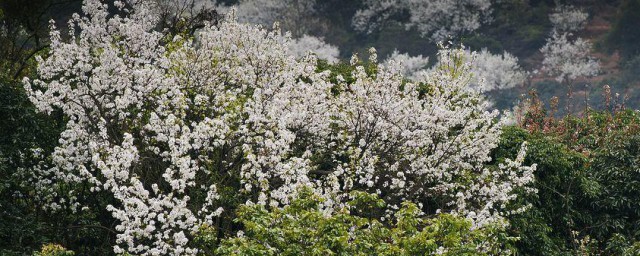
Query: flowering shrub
[172, 128]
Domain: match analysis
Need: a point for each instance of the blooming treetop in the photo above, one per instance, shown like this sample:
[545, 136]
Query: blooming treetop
[433, 19]
[162, 125]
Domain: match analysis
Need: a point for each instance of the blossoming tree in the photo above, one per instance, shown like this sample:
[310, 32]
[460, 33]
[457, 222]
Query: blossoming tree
[172, 127]
[566, 56]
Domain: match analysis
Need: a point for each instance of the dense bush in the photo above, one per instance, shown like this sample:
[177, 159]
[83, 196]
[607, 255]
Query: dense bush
[587, 182]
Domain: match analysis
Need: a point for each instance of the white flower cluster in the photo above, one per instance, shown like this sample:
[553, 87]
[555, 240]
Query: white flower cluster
[566, 59]
[411, 65]
[567, 18]
[498, 71]
[435, 19]
[301, 46]
[162, 126]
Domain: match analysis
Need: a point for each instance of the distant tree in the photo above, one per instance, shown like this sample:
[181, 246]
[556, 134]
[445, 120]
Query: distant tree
[432, 19]
[567, 18]
[488, 71]
[568, 59]
[566, 56]
[295, 16]
[185, 16]
[497, 71]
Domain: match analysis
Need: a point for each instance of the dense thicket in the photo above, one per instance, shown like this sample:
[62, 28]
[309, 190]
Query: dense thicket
[587, 181]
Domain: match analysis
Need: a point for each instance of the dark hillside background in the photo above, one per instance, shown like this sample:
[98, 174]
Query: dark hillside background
[519, 27]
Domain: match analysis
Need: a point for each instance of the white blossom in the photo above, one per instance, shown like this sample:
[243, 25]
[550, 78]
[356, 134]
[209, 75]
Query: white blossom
[301, 46]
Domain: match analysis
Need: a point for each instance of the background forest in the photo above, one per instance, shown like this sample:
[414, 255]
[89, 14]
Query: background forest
[364, 127]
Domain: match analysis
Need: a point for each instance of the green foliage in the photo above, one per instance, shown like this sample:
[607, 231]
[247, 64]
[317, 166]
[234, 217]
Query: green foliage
[587, 180]
[304, 228]
[619, 245]
[542, 228]
[340, 69]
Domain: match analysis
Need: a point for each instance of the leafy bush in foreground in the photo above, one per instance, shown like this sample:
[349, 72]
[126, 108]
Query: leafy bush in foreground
[587, 180]
[303, 228]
